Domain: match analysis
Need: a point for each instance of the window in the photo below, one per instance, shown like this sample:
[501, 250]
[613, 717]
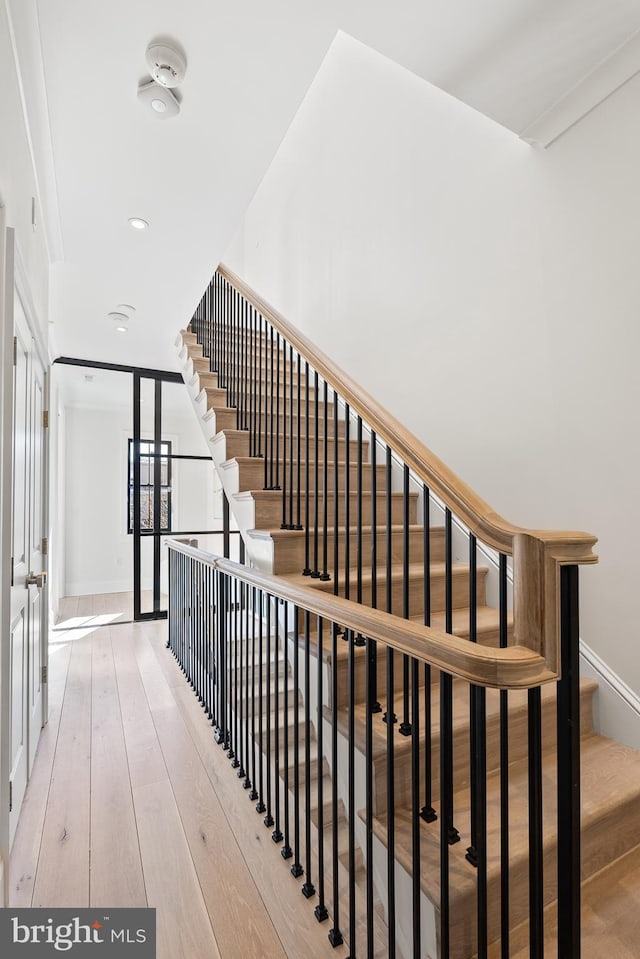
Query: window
[147, 461]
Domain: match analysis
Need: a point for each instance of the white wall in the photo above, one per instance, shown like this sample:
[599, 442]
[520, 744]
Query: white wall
[487, 293]
[99, 551]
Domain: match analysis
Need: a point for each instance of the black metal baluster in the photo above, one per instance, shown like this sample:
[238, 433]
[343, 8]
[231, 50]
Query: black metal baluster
[405, 726]
[416, 866]
[391, 805]
[335, 935]
[315, 573]
[347, 503]
[369, 797]
[308, 889]
[277, 832]
[471, 854]
[307, 511]
[268, 819]
[536, 877]
[568, 737]
[359, 640]
[261, 337]
[270, 396]
[298, 523]
[324, 576]
[428, 813]
[260, 807]
[446, 694]
[296, 868]
[351, 803]
[291, 391]
[504, 775]
[336, 474]
[253, 352]
[321, 912]
[372, 645]
[284, 524]
[287, 852]
[277, 484]
[247, 754]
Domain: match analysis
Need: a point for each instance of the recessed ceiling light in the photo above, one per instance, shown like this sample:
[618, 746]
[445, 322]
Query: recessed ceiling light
[118, 317]
[158, 105]
[121, 329]
[138, 223]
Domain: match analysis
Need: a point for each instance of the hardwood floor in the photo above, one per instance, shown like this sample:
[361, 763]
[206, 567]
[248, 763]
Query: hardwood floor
[132, 803]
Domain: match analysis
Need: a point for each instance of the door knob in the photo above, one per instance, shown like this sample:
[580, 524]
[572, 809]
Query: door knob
[36, 579]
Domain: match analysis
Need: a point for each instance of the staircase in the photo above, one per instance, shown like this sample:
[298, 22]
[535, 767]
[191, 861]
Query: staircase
[321, 503]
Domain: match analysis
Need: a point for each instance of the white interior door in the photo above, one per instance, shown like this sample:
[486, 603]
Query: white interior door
[20, 552]
[37, 620]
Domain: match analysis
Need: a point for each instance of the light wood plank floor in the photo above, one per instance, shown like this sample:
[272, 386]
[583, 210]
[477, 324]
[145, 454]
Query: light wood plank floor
[132, 803]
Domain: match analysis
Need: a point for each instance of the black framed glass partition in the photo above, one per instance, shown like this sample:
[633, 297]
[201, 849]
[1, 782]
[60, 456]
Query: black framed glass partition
[167, 486]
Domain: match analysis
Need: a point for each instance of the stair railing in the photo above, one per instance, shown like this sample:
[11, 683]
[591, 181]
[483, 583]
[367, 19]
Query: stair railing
[329, 455]
[248, 642]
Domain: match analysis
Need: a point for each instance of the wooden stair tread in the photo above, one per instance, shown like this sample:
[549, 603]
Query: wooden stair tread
[610, 915]
[610, 781]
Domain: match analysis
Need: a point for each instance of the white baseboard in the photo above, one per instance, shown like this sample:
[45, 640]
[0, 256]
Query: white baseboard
[616, 711]
[89, 588]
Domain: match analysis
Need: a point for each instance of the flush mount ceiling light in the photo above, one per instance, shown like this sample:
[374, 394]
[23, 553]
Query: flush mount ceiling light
[121, 329]
[138, 223]
[161, 101]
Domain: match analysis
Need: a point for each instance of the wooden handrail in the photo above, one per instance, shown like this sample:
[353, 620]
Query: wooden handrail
[513, 668]
[538, 554]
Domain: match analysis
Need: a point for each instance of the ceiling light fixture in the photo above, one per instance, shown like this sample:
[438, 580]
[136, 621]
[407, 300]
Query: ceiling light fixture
[138, 223]
[160, 100]
[121, 329]
[118, 317]
[126, 308]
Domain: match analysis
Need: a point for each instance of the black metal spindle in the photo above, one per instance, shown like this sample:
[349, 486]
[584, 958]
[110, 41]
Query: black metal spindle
[471, 854]
[291, 463]
[321, 912]
[268, 819]
[568, 788]
[277, 832]
[405, 726]
[315, 572]
[369, 798]
[428, 813]
[308, 889]
[336, 501]
[287, 852]
[285, 465]
[351, 788]
[359, 640]
[335, 935]
[324, 576]
[298, 523]
[261, 339]
[296, 868]
[416, 867]
[263, 679]
[277, 483]
[347, 502]
[307, 479]
[536, 878]
[391, 805]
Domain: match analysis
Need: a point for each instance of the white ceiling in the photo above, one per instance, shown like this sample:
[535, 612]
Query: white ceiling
[100, 158]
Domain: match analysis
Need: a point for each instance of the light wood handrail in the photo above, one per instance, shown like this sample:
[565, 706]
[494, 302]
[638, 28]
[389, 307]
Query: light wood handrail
[538, 554]
[513, 668]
